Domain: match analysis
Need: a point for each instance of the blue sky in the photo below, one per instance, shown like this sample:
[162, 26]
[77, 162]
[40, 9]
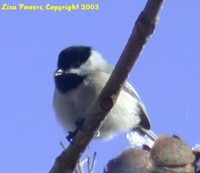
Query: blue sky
[166, 75]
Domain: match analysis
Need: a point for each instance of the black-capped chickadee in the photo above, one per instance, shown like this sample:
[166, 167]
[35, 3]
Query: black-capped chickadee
[80, 77]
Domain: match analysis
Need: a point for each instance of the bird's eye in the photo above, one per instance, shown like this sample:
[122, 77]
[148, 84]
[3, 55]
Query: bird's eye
[78, 63]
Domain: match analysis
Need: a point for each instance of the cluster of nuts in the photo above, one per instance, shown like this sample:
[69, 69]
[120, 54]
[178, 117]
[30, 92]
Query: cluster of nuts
[168, 155]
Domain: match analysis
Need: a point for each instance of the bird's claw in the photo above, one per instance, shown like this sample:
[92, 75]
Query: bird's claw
[72, 134]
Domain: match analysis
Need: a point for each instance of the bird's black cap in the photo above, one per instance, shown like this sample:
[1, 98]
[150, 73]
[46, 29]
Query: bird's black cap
[73, 56]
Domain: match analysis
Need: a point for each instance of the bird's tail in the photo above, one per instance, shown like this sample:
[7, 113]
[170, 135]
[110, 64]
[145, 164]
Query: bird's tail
[149, 133]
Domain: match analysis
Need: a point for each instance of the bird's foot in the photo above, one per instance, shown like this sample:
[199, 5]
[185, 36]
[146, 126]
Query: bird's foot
[72, 134]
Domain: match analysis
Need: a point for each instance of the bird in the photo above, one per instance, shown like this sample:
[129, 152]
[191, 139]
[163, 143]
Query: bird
[80, 76]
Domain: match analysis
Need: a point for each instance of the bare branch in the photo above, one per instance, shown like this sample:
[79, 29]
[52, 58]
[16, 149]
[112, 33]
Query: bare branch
[144, 27]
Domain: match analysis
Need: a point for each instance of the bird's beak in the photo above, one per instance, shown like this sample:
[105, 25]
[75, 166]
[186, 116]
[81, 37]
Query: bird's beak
[58, 72]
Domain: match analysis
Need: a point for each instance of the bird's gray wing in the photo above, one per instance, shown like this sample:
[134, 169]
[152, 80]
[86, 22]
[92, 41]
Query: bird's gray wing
[145, 122]
[126, 87]
[129, 89]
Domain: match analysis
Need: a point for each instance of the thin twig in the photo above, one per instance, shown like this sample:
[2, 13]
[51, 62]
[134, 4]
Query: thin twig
[62, 145]
[91, 167]
[80, 166]
[93, 162]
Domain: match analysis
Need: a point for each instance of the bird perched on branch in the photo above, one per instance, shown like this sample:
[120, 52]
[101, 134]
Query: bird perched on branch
[80, 76]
